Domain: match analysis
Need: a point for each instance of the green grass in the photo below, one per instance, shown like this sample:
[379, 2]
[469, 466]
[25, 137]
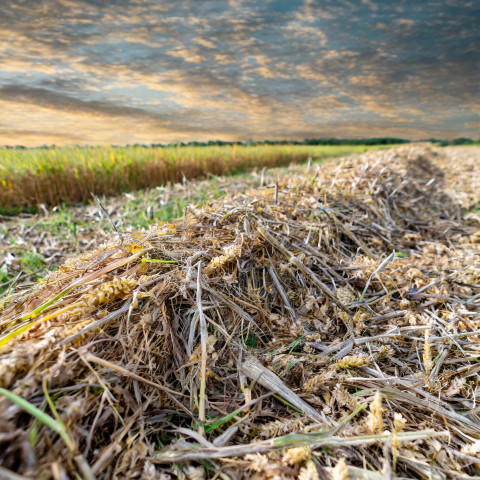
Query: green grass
[54, 424]
[52, 176]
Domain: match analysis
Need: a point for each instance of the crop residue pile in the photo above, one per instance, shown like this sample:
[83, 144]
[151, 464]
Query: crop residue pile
[326, 325]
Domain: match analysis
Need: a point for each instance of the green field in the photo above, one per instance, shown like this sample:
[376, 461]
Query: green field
[52, 176]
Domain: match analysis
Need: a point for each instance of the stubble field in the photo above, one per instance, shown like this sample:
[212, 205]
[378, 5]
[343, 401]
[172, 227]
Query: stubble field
[312, 322]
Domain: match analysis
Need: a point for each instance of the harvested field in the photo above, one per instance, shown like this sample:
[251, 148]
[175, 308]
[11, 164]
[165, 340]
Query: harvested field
[324, 327]
[32, 244]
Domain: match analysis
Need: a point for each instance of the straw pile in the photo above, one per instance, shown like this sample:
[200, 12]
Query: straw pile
[323, 328]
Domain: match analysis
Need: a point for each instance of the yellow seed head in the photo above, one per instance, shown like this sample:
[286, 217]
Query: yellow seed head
[232, 252]
[353, 361]
[308, 472]
[427, 354]
[108, 291]
[296, 455]
[340, 472]
[374, 421]
[399, 422]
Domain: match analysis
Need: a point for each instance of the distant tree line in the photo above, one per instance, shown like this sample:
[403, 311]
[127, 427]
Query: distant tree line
[455, 141]
[307, 141]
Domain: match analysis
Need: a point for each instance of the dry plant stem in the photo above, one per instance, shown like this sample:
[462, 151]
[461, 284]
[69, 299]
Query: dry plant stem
[6, 474]
[171, 393]
[81, 281]
[254, 370]
[94, 423]
[203, 359]
[379, 269]
[196, 436]
[350, 235]
[84, 468]
[226, 436]
[313, 440]
[305, 270]
[472, 427]
[104, 211]
[106, 455]
[282, 292]
[229, 303]
[96, 324]
[93, 276]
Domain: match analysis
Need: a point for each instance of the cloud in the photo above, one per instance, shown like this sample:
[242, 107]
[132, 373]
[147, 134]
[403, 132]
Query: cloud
[56, 101]
[236, 70]
[190, 56]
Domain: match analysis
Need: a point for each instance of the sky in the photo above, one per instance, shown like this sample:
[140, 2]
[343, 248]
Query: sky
[144, 71]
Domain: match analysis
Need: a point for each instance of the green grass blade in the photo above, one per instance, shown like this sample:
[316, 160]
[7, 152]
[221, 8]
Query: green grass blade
[157, 260]
[288, 404]
[39, 415]
[219, 423]
[51, 404]
[15, 333]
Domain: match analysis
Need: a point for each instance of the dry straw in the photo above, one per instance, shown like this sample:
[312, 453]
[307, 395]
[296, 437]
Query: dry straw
[258, 338]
